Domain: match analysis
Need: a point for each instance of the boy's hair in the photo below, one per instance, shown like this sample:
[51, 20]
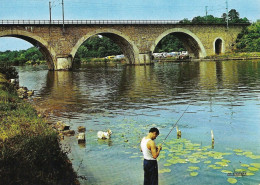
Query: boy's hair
[154, 130]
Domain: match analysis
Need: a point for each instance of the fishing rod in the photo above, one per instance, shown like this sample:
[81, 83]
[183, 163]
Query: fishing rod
[175, 124]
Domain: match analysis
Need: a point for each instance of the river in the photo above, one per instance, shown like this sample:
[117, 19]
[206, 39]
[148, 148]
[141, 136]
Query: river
[220, 96]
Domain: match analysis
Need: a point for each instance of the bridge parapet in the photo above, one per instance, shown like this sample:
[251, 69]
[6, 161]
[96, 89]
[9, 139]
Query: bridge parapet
[110, 22]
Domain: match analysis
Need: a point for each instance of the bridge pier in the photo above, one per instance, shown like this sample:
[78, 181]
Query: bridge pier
[63, 63]
[144, 59]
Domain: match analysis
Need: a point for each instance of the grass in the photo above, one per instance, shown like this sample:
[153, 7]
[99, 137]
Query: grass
[95, 60]
[235, 55]
[30, 152]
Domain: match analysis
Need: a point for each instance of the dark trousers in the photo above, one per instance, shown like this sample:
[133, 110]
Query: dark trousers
[150, 172]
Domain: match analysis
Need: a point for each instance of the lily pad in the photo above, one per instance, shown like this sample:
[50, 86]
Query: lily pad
[240, 170]
[245, 165]
[249, 173]
[247, 153]
[257, 165]
[193, 174]
[161, 157]
[182, 161]
[253, 156]
[225, 160]
[165, 170]
[238, 150]
[193, 160]
[207, 162]
[217, 167]
[226, 171]
[193, 167]
[232, 180]
[253, 169]
[221, 163]
[167, 164]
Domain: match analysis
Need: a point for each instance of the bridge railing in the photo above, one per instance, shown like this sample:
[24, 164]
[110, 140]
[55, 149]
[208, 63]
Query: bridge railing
[78, 22]
[32, 22]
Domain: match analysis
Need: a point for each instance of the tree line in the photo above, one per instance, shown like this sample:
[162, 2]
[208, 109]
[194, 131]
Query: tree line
[249, 39]
[31, 55]
[97, 47]
[233, 18]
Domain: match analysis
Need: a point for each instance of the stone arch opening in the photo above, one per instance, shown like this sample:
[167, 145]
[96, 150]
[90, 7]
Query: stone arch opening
[129, 50]
[218, 46]
[35, 41]
[190, 41]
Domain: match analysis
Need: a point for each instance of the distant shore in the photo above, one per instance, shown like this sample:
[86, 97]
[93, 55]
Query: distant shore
[221, 57]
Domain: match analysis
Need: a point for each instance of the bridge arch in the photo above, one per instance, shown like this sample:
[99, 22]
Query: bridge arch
[127, 46]
[189, 40]
[219, 46]
[37, 41]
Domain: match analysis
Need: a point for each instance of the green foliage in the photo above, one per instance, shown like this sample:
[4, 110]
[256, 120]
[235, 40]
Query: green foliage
[21, 57]
[97, 47]
[8, 71]
[249, 39]
[29, 149]
[168, 44]
[233, 16]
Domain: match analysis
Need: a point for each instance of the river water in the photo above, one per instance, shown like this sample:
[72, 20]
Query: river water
[220, 96]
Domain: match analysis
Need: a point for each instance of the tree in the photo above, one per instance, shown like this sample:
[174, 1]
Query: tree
[249, 39]
[185, 21]
[168, 44]
[224, 17]
[233, 15]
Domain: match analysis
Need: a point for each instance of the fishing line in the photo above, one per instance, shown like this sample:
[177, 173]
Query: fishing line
[175, 124]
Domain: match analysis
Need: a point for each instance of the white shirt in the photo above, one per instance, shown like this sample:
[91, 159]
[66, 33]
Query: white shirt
[146, 152]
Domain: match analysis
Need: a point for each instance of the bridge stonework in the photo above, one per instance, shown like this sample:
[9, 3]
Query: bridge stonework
[137, 41]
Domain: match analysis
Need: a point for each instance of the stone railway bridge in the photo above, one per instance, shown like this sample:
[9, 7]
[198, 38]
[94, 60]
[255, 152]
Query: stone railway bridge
[60, 40]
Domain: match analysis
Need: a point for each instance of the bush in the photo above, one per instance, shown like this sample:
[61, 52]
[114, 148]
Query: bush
[9, 72]
[29, 149]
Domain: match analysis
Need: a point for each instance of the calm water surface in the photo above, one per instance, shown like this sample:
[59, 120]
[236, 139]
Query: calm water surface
[223, 97]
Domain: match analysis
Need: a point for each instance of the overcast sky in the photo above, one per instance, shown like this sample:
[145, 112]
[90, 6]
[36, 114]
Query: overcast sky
[118, 9]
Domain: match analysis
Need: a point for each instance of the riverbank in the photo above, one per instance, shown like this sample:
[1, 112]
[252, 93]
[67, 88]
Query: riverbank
[235, 56]
[30, 152]
[221, 57]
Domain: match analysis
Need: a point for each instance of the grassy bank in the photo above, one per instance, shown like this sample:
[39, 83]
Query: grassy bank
[29, 149]
[235, 56]
[97, 60]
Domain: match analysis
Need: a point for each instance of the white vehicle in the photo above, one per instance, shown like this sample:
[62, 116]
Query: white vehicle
[185, 53]
[119, 56]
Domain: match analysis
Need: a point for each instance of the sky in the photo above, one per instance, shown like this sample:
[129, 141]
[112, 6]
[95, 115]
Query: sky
[117, 10]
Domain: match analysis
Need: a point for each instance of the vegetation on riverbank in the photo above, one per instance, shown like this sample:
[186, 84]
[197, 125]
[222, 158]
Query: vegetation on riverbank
[22, 57]
[30, 152]
[235, 56]
[249, 39]
[97, 47]
[247, 45]
[94, 60]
